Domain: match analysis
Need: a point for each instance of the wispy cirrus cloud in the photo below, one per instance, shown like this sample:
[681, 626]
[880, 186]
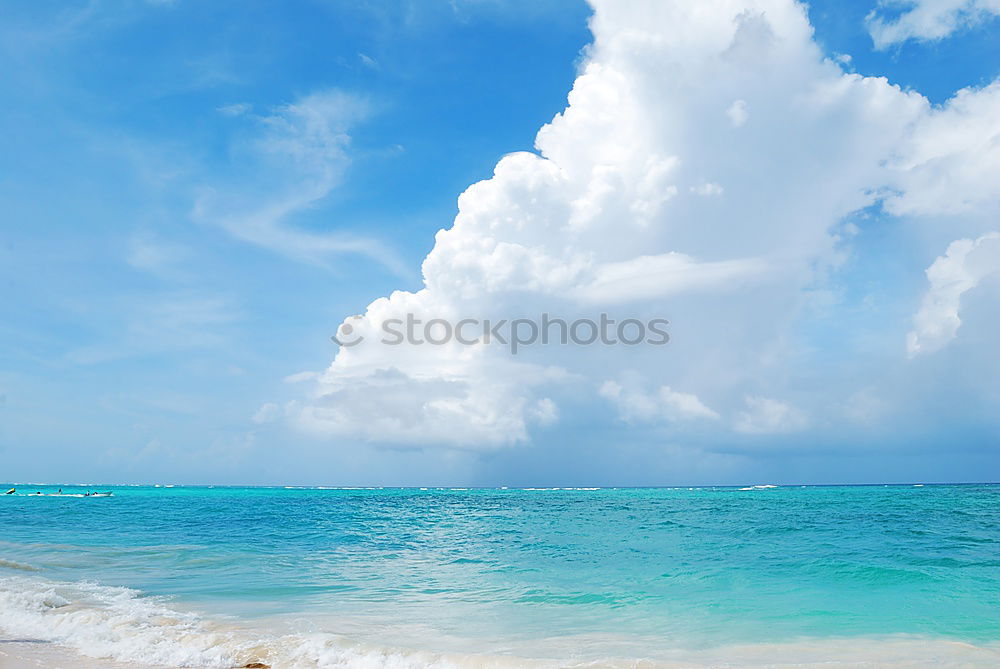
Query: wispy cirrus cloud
[161, 324]
[156, 256]
[294, 157]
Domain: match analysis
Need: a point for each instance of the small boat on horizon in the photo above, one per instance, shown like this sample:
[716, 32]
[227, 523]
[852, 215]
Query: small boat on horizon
[60, 493]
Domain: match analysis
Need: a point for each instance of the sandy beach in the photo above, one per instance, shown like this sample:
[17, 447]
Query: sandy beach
[32, 653]
[887, 654]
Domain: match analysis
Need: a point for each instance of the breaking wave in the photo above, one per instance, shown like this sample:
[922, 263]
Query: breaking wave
[122, 624]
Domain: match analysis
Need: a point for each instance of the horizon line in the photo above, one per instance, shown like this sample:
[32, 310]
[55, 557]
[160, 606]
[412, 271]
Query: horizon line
[459, 487]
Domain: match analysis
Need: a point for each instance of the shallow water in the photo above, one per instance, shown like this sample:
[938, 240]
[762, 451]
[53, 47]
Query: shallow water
[333, 577]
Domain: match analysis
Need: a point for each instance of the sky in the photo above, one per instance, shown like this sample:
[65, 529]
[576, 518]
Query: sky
[196, 197]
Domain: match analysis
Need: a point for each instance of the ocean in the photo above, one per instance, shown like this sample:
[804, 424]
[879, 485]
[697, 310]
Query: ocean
[896, 575]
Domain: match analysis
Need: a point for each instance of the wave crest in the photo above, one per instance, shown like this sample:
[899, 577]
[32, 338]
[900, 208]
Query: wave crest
[121, 624]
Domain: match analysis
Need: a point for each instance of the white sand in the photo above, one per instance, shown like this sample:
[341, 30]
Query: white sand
[31, 654]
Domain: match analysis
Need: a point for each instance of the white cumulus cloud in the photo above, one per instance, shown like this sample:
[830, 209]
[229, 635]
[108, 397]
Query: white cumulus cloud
[636, 404]
[765, 415]
[608, 214]
[267, 413]
[963, 266]
[927, 19]
[737, 113]
[951, 162]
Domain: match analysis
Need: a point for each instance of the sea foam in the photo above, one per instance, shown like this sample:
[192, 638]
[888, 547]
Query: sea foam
[121, 624]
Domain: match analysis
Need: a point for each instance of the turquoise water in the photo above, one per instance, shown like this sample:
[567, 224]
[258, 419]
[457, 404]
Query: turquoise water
[580, 574]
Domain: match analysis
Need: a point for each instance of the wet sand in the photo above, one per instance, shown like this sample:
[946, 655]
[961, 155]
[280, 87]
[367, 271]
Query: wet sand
[37, 654]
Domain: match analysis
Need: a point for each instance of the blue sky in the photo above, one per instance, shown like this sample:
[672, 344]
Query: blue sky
[195, 196]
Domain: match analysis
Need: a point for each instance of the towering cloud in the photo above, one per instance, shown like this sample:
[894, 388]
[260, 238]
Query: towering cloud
[701, 171]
